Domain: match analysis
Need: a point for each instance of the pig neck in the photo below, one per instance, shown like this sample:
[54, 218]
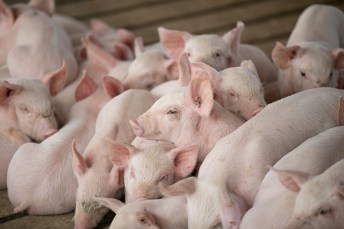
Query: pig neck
[208, 130]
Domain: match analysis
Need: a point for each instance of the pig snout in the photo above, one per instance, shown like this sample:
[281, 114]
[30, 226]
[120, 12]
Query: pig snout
[138, 130]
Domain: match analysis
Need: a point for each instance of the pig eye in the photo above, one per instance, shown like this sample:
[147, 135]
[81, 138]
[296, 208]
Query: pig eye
[303, 74]
[132, 173]
[324, 211]
[217, 54]
[189, 54]
[163, 178]
[24, 109]
[172, 111]
[149, 86]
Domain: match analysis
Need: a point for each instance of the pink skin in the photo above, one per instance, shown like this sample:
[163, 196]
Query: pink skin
[167, 213]
[218, 52]
[274, 202]
[112, 127]
[311, 59]
[153, 166]
[35, 167]
[221, 197]
[187, 117]
[26, 105]
[27, 45]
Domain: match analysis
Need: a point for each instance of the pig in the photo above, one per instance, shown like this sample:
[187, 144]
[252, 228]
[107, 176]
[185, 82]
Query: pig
[119, 42]
[319, 201]
[274, 203]
[238, 162]
[237, 89]
[93, 168]
[40, 177]
[218, 52]
[313, 54]
[26, 105]
[188, 117]
[28, 51]
[159, 164]
[167, 213]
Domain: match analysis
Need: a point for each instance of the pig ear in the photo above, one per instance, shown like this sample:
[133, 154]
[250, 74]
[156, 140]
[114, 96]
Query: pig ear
[56, 80]
[7, 90]
[184, 69]
[233, 37]
[99, 27]
[113, 204]
[183, 187]
[122, 51]
[200, 95]
[112, 86]
[7, 17]
[230, 211]
[338, 55]
[211, 73]
[79, 163]
[340, 118]
[47, 6]
[116, 177]
[248, 64]
[146, 219]
[292, 180]
[126, 37]
[184, 159]
[172, 68]
[85, 88]
[282, 55]
[173, 41]
[120, 153]
[138, 46]
[98, 56]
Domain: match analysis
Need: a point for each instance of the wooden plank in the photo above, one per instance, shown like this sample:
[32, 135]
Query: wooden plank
[144, 16]
[93, 8]
[226, 18]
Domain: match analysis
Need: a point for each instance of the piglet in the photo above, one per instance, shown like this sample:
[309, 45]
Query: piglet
[314, 51]
[218, 52]
[93, 168]
[40, 176]
[275, 200]
[238, 162]
[167, 213]
[159, 164]
[188, 117]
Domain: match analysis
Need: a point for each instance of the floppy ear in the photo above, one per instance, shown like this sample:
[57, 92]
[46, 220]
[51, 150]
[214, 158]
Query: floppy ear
[184, 159]
[121, 153]
[232, 38]
[113, 87]
[292, 180]
[200, 95]
[146, 218]
[85, 87]
[7, 90]
[56, 80]
[338, 55]
[47, 6]
[248, 64]
[173, 41]
[198, 67]
[282, 55]
[113, 204]
[184, 69]
[182, 187]
[172, 68]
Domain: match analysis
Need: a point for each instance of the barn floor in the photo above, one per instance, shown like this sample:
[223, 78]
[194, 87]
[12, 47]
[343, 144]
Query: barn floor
[266, 21]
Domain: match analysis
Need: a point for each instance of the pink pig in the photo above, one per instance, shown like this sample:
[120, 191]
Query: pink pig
[94, 169]
[188, 117]
[314, 52]
[238, 162]
[40, 176]
[27, 49]
[159, 164]
[218, 52]
[166, 213]
[274, 203]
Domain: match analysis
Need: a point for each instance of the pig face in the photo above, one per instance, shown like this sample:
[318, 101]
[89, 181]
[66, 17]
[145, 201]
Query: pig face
[176, 115]
[29, 103]
[88, 213]
[308, 65]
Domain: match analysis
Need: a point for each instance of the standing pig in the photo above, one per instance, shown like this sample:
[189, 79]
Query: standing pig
[34, 44]
[188, 117]
[238, 162]
[218, 52]
[274, 203]
[94, 169]
[156, 165]
[313, 55]
[319, 201]
[166, 213]
[40, 176]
